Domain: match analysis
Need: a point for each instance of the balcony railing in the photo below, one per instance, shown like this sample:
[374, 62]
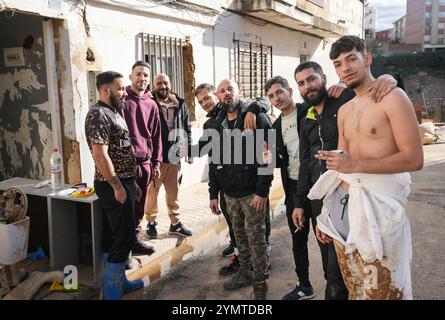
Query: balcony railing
[316, 17]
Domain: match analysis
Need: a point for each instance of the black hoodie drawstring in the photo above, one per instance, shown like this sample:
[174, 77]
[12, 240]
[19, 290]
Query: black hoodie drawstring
[344, 202]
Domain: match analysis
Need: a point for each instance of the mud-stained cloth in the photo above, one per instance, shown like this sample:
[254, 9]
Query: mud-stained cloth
[375, 259]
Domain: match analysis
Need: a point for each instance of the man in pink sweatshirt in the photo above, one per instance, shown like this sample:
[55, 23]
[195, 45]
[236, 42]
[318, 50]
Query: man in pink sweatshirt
[142, 117]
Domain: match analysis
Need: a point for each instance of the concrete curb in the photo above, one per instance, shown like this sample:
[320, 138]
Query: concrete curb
[200, 243]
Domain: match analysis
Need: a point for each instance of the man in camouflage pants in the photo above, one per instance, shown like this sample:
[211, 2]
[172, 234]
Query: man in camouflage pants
[245, 190]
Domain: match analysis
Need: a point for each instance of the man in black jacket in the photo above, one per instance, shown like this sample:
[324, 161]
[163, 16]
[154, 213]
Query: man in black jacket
[207, 99]
[280, 95]
[245, 188]
[319, 131]
[205, 93]
[174, 115]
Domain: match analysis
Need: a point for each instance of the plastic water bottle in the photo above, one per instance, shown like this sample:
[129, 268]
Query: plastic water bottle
[56, 170]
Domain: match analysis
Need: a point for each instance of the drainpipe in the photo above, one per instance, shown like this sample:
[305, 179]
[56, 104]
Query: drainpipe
[363, 20]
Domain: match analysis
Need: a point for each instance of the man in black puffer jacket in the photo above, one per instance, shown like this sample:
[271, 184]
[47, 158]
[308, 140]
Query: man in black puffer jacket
[205, 93]
[245, 187]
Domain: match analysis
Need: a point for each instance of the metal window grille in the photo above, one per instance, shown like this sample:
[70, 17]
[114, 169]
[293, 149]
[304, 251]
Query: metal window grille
[253, 67]
[164, 54]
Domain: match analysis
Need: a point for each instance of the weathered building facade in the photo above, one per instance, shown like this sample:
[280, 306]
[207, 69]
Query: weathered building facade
[52, 50]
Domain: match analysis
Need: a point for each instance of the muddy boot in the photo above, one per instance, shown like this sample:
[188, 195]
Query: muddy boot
[243, 278]
[260, 290]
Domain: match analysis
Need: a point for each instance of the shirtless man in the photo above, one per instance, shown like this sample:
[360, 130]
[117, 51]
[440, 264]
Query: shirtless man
[374, 138]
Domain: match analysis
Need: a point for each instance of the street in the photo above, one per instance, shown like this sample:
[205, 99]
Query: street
[198, 278]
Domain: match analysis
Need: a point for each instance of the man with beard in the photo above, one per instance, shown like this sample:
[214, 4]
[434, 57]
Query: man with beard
[142, 117]
[378, 145]
[174, 115]
[245, 188]
[319, 131]
[206, 95]
[280, 95]
[114, 181]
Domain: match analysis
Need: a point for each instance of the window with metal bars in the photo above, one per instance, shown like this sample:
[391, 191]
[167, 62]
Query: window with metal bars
[253, 67]
[164, 54]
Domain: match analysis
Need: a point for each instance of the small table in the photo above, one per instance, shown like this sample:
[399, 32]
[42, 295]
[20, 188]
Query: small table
[62, 223]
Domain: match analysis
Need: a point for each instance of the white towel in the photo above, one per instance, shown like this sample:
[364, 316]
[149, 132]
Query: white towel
[379, 226]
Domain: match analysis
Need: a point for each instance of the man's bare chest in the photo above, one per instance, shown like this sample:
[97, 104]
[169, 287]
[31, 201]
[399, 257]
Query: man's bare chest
[371, 123]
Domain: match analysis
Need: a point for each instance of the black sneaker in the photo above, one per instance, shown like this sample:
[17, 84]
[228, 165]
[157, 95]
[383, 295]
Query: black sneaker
[180, 229]
[300, 293]
[152, 233]
[231, 268]
[141, 248]
[227, 252]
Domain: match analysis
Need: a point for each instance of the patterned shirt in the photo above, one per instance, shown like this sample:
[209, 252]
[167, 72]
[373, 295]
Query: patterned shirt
[105, 126]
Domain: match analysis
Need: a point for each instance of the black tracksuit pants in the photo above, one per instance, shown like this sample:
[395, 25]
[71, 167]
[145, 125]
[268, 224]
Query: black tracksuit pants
[299, 238]
[335, 287]
[118, 236]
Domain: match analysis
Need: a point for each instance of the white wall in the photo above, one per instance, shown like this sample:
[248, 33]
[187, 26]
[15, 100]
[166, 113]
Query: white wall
[108, 37]
[114, 28]
[351, 11]
[113, 40]
[287, 46]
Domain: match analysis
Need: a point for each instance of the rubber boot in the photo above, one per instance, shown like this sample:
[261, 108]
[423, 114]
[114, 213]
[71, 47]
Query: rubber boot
[129, 286]
[114, 281]
[129, 263]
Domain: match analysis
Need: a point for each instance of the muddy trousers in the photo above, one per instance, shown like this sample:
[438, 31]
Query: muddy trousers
[250, 234]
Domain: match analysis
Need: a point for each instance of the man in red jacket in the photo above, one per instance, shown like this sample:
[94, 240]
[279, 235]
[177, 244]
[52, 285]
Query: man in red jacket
[142, 117]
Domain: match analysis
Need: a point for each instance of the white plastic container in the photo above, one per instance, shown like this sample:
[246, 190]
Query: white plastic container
[14, 241]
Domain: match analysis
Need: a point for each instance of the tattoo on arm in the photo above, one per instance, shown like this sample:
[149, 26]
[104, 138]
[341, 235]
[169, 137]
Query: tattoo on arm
[115, 183]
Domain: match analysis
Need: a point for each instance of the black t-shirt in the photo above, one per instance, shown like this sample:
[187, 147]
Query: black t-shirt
[231, 123]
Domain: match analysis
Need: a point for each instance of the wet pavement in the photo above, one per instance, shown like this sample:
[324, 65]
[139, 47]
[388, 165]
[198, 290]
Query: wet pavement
[209, 232]
[198, 278]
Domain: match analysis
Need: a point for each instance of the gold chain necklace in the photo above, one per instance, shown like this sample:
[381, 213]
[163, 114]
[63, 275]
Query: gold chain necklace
[356, 124]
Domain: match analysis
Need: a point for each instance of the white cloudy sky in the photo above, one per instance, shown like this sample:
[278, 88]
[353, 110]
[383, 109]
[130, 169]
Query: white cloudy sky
[388, 11]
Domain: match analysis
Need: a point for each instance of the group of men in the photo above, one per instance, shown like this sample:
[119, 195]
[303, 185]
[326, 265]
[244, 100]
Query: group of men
[128, 133]
[330, 154]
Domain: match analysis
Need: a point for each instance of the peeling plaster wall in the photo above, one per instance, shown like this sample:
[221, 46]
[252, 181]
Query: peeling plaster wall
[71, 152]
[25, 119]
[113, 41]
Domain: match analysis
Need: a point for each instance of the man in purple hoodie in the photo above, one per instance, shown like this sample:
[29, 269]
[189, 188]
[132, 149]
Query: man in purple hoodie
[142, 117]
